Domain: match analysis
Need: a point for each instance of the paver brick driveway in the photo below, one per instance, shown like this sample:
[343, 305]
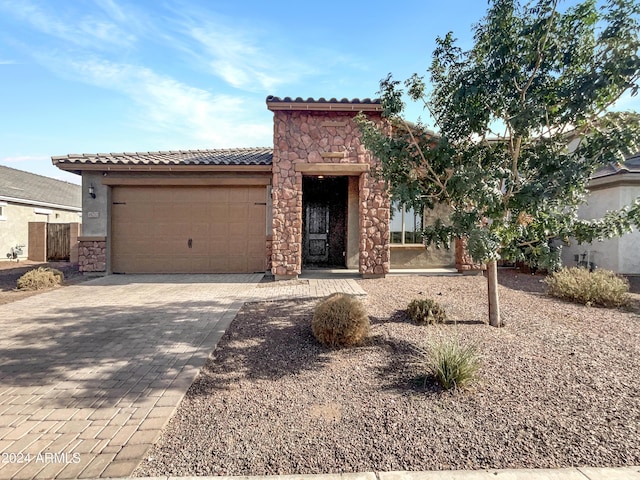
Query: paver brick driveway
[89, 374]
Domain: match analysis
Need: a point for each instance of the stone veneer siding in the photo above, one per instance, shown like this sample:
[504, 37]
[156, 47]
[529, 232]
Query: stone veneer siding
[308, 137]
[464, 262]
[92, 256]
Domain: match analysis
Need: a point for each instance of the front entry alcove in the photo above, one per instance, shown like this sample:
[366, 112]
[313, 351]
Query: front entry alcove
[324, 220]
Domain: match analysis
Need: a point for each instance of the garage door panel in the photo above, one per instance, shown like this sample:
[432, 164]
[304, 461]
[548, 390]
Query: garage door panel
[238, 195]
[151, 229]
[257, 211]
[127, 213]
[238, 212]
[168, 211]
[256, 263]
[219, 195]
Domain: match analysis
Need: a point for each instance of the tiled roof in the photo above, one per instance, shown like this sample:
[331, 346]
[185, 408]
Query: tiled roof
[236, 156]
[631, 165]
[322, 104]
[367, 101]
[36, 188]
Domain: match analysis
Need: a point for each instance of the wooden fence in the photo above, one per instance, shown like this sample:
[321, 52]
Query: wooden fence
[58, 242]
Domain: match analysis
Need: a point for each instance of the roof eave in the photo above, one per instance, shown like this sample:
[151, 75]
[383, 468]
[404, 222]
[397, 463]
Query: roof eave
[324, 107]
[37, 203]
[107, 167]
[620, 178]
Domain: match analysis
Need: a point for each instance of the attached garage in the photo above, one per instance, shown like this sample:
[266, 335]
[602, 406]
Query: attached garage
[180, 229]
[193, 211]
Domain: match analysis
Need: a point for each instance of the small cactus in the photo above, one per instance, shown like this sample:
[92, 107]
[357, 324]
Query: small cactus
[426, 311]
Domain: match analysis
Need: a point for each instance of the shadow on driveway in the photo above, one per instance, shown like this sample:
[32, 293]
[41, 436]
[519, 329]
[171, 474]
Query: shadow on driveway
[113, 343]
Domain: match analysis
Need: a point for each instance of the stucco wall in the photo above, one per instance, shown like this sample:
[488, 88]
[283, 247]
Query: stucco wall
[14, 225]
[622, 255]
[95, 210]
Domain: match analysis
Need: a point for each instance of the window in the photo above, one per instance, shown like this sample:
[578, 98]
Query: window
[3, 211]
[405, 225]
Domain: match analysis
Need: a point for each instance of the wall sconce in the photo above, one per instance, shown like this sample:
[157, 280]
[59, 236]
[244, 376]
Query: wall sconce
[92, 191]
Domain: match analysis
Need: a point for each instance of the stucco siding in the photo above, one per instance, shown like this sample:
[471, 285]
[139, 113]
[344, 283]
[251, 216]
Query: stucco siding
[95, 210]
[629, 245]
[618, 254]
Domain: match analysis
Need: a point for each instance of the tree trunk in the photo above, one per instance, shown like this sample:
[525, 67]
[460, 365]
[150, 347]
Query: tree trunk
[494, 301]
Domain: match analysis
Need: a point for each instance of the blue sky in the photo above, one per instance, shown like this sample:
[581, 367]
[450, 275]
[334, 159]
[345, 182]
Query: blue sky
[88, 76]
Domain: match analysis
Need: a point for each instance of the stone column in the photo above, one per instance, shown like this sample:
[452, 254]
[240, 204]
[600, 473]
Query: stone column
[286, 254]
[374, 227]
[464, 262]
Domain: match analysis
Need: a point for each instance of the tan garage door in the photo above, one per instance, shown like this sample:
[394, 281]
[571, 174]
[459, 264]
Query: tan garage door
[188, 229]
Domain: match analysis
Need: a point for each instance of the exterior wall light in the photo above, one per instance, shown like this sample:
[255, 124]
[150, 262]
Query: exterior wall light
[92, 191]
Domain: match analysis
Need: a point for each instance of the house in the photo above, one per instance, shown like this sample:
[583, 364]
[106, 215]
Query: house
[312, 200]
[610, 188]
[29, 198]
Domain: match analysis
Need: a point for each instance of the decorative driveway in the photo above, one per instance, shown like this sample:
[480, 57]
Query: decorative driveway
[90, 373]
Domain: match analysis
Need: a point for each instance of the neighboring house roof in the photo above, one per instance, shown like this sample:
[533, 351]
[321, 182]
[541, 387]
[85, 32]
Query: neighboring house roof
[25, 187]
[630, 165]
[221, 157]
[322, 104]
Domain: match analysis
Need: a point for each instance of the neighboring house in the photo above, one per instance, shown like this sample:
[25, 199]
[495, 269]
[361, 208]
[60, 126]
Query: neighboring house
[610, 188]
[26, 197]
[310, 201]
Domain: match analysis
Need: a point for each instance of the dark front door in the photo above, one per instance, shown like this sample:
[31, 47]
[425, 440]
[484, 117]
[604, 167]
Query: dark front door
[317, 233]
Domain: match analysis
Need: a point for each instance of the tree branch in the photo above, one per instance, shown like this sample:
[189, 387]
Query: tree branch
[435, 177]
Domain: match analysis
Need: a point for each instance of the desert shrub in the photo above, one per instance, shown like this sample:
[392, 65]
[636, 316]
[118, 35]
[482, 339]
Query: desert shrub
[39, 278]
[426, 311]
[340, 320]
[600, 287]
[454, 364]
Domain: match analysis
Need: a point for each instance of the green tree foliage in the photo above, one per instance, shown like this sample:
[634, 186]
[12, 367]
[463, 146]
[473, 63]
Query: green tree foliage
[523, 119]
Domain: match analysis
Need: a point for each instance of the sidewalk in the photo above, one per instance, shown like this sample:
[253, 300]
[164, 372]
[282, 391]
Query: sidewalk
[577, 473]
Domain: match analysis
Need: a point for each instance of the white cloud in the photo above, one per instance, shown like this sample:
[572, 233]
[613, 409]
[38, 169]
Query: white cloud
[114, 10]
[7, 62]
[87, 31]
[165, 104]
[245, 58]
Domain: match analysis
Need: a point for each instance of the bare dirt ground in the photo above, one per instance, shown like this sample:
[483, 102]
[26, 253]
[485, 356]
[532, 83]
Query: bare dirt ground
[558, 387]
[10, 271]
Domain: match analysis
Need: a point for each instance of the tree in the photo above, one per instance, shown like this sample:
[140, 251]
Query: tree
[523, 120]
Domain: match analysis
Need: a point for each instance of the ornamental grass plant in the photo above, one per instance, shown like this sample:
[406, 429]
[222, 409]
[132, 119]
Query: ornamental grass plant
[40, 278]
[452, 362]
[602, 288]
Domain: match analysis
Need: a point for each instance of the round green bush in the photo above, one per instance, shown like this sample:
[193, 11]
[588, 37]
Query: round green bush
[340, 320]
[598, 288]
[39, 278]
[426, 311]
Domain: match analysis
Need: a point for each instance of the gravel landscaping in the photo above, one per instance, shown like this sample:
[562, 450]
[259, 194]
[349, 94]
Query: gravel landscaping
[559, 387]
[10, 271]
